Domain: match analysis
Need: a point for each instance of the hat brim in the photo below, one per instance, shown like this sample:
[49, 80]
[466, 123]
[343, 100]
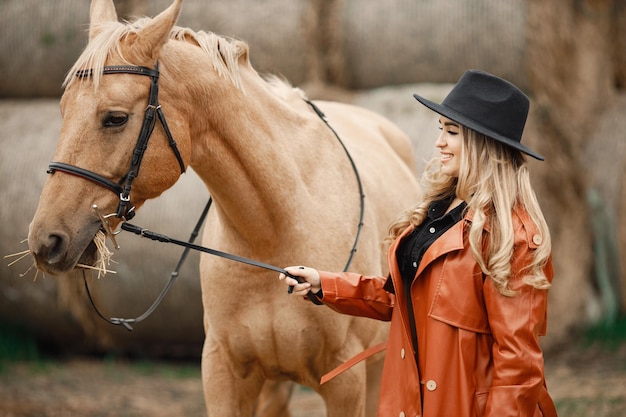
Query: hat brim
[474, 125]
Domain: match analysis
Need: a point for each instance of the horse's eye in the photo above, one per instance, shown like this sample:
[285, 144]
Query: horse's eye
[115, 120]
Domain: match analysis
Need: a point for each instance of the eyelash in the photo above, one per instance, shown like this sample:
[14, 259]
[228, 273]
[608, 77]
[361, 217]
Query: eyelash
[449, 131]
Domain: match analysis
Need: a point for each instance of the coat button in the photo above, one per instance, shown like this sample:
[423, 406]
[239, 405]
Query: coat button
[431, 385]
[432, 230]
[402, 353]
[537, 239]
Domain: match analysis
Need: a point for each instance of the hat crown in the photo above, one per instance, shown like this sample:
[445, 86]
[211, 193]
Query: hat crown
[491, 102]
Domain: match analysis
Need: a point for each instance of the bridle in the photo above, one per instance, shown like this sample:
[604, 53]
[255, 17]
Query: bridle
[125, 209]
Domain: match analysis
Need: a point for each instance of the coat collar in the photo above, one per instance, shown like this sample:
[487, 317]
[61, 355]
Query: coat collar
[450, 241]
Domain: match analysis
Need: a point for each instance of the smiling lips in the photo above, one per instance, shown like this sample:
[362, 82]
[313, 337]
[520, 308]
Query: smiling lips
[446, 157]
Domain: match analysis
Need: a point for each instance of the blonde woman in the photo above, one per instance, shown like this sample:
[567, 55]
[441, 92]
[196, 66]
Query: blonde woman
[470, 268]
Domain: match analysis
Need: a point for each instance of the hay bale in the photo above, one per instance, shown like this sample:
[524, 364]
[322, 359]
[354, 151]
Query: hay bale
[362, 45]
[39, 41]
[408, 41]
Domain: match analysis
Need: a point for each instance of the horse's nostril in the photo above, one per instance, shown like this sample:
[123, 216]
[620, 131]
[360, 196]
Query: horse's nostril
[51, 248]
[57, 245]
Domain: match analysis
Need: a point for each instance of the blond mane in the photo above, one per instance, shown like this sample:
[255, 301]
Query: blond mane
[224, 52]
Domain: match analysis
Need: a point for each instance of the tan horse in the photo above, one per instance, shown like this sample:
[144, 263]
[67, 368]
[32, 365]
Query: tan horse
[261, 151]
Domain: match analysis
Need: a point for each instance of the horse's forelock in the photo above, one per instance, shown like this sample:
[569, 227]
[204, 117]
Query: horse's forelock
[97, 51]
[224, 52]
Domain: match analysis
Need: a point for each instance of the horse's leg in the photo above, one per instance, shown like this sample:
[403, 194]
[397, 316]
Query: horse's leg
[345, 395]
[228, 389]
[274, 399]
[374, 376]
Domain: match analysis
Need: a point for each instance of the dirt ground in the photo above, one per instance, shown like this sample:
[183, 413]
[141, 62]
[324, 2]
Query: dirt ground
[583, 381]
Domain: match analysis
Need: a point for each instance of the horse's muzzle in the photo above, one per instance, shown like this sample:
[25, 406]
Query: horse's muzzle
[54, 255]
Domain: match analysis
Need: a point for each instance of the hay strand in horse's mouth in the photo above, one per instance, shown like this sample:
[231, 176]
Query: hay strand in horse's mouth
[98, 268]
[104, 258]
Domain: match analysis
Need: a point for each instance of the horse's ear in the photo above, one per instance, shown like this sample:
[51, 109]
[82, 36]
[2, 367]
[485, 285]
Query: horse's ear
[154, 35]
[101, 11]
[243, 53]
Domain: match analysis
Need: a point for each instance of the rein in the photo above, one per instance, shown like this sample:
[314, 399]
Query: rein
[127, 322]
[126, 210]
[358, 180]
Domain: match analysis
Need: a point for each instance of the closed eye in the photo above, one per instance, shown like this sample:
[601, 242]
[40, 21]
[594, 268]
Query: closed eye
[115, 119]
[449, 131]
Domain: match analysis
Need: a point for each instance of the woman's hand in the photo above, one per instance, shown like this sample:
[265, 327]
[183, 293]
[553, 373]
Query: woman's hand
[310, 280]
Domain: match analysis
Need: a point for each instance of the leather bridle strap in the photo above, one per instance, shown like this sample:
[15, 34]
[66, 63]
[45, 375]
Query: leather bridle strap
[86, 174]
[125, 209]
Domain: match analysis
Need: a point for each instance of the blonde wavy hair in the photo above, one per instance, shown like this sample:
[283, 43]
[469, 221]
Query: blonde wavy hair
[493, 179]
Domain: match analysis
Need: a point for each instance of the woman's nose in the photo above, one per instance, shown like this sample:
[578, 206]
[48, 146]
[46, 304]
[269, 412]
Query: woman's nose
[441, 140]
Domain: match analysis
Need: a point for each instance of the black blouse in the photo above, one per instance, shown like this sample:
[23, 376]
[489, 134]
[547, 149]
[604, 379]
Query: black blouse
[411, 250]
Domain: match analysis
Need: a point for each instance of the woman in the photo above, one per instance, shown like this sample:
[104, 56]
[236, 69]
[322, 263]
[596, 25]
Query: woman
[470, 268]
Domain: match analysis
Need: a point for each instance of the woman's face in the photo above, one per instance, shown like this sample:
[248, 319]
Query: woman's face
[449, 144]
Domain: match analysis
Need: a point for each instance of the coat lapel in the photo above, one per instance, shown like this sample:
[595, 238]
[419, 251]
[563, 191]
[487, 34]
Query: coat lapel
[398, 286]
[450, 241]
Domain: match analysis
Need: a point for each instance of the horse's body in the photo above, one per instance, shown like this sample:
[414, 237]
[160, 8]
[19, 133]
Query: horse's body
[262, 152]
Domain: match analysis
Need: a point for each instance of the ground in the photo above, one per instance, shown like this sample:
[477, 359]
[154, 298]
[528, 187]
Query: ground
[584, 381]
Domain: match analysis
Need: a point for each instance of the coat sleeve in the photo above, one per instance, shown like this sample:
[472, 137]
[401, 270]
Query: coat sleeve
[516, 324]
[357, 295]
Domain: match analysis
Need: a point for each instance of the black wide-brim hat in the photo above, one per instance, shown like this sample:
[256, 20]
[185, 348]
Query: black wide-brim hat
[489, 105]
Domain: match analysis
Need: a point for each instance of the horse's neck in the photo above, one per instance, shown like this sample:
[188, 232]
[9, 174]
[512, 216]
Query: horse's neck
[242, 148]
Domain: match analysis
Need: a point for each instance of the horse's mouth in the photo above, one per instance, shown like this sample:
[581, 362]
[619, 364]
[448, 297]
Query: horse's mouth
[89, 256]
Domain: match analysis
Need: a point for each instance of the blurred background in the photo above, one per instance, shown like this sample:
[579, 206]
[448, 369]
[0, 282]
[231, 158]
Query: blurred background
[569, 56]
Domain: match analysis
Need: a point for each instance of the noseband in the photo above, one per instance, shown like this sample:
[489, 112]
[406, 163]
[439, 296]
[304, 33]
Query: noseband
[125, 209]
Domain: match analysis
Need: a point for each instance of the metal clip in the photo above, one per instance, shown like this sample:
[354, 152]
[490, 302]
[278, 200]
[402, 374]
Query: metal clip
[106, 225]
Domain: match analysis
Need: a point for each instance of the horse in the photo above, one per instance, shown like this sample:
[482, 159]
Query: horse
[284, 192]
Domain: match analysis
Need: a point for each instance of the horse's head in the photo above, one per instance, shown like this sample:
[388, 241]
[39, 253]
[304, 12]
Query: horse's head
[104, 109]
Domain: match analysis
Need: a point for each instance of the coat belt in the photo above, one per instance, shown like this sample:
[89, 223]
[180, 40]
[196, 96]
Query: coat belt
[371, 351]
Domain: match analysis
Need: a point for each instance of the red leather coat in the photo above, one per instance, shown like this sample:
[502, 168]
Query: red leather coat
[479, 352]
